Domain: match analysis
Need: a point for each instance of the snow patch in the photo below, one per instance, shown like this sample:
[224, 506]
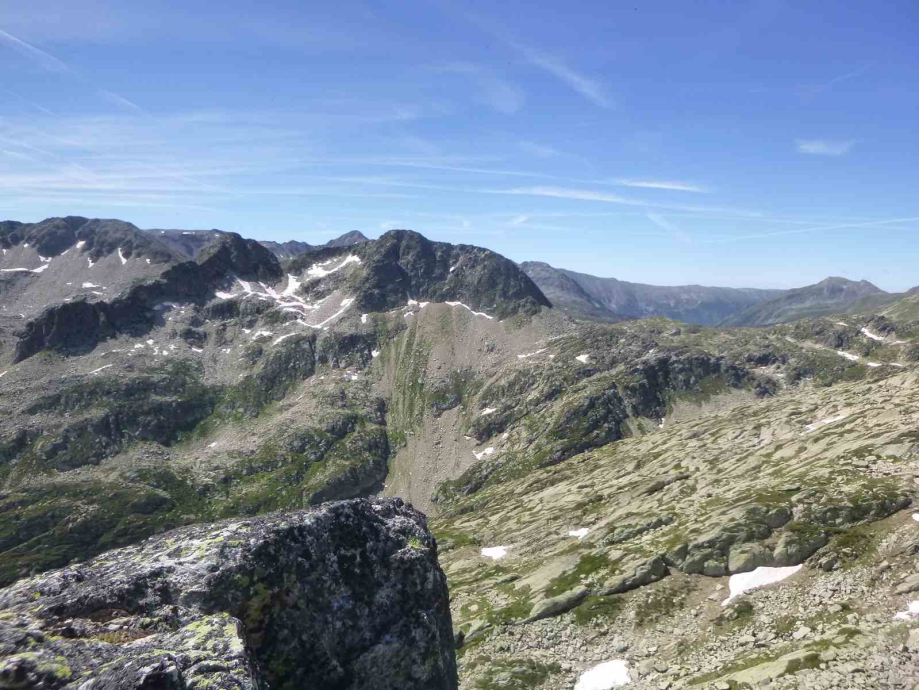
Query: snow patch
[4, 374]
[582, 358]
[842, 323]
[911, 612]
[745, 582]
[283, 338]
[475, 313]
[122, 257]
[44, 259]
[823, 422]
[484, 454]
[224, 295]
[292, 285]
[197, 349]
[374, 353]
[579, 533]
[262, 334]
[873, 336]
[81, 244]
[90, 285]
[873, 364]
[850, 357]
[605, 676]
[90, 262]
[96, 371]
[494, 552]
[531, 354]
[318, 270]
[487, 410]
[453, 268]
[363, 318]
[916, 517]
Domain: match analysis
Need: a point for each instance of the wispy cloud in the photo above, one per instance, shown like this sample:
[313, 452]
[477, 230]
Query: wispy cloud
[827, 85]
[28, 102]
[566, 193]
[824, 147]
[817, 228]
[538, 150]
[49, 62]
[590, 89]
[675, 232]
[53, 64]
[663, 184]
[493, 91]
[114, 98]
[519, 220]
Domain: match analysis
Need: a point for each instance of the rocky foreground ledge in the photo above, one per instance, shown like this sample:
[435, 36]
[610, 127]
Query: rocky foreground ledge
[349, 595]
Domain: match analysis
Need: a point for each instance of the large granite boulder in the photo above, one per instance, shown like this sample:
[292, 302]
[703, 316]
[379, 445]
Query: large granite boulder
[348, 595]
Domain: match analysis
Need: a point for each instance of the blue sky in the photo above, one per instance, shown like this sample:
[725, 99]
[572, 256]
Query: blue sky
[764, 144]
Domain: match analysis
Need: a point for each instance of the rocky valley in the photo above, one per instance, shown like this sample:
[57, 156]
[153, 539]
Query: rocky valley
[209, 445]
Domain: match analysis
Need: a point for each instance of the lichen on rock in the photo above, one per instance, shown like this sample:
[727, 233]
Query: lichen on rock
[349, 595]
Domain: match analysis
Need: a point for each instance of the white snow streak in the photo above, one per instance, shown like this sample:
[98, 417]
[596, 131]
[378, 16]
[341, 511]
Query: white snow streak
[344, 306]
[90, 262]
[90, 285]
[873, 336]
[916, 517]
[262, 334]
[121, 256]
[283, 338]
[374, 353]
[476, 313]
[4, 374]
[579, 533]
[96, 371]
[605, 676]
[582, 358]
[495, 552]
[745, 582]
[224, 295]
[850, 357]
[823, 422]
[363, 318]
[80, 244]
[484, 454]
[317, 270]
[487, 410]
[531, 354]
[911, 612]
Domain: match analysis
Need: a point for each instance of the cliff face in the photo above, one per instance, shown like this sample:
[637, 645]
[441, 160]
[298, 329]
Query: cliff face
[349, 595]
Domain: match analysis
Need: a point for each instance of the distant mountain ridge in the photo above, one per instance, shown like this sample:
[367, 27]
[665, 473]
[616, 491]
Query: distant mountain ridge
[608, 299]
[294, 248]
[830, 296]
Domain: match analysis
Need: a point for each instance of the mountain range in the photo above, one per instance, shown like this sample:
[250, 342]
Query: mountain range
[189, 424]
[611, 300]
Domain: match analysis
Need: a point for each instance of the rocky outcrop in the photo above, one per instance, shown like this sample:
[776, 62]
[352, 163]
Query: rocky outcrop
[403, 264]
[349, 595]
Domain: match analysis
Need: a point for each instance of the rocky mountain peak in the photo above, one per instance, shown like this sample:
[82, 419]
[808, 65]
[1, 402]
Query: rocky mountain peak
[403, 264]
[230, 254]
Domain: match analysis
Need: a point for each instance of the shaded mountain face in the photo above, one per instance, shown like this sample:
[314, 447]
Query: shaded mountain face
[609, 299]
[404, 265]
[293, 248]
[830, 296]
